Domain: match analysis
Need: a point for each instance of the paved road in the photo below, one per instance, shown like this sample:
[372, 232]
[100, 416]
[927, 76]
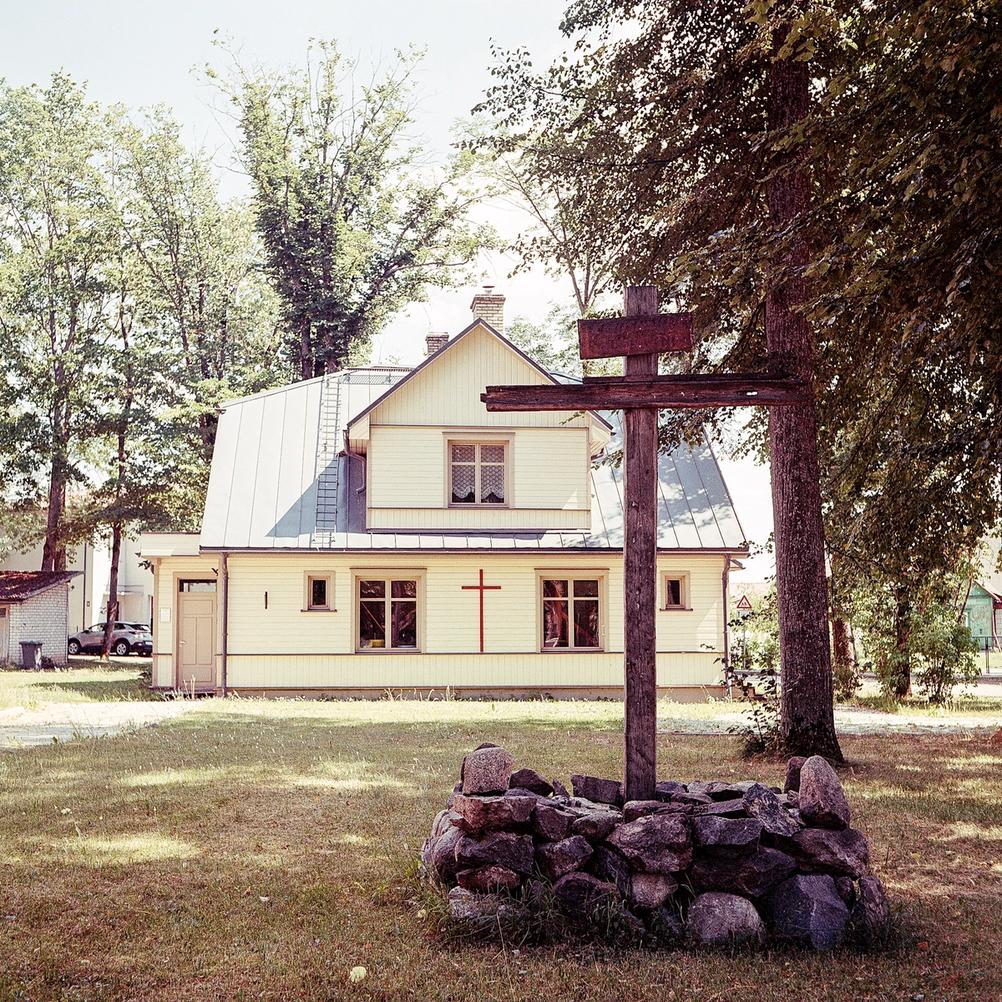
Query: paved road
[20, 727]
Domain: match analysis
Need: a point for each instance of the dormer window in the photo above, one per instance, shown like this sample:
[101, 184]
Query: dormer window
[478, 473]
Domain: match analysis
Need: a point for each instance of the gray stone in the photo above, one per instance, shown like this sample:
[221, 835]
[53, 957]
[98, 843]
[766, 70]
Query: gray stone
[793, 767]
[580, 893]
[657, 843]
[443, 821]
[485, 879]
[439, 855]
[734, 808]
[840, 853]
[466, 906]
[668, 789]
[558, 858]
[487, 770]
[550, 822]
[610, 866]
[822, 800]
[718, 790]
[871, 915]
[717, 919]
[665, 925]
[651, 890]
[765, 806]
[846, 888]
[726, 836]
[596, 826]
[529, 779]
[520, 791]
[601, 791]
[477, 814]
[807, 909]
[634, 809]
[753, 875]
[501, 848]
[560, 790]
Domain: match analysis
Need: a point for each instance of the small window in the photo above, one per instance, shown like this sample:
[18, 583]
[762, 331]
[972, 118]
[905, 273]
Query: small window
[477, 473]
[571, 614]
[387, 614]
[187, 585]
[675, 592]
[319, 588]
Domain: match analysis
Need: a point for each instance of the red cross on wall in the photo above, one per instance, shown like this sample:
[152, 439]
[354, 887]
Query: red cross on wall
[481, 587]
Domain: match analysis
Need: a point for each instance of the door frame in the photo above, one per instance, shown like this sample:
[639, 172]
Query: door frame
[5, 649]
[208, 575]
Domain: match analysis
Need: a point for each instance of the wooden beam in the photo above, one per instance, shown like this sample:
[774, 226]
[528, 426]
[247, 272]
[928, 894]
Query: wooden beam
[619, 393]
[612, 337]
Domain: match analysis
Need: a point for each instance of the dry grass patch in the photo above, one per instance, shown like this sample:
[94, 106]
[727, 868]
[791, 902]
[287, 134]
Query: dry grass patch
[262, 850]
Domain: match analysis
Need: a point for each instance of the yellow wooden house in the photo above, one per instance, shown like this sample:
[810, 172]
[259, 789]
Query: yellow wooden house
[378, 530]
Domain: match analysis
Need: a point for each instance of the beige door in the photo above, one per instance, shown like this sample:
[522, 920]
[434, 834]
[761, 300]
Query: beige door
[4, 633]
[196, 635]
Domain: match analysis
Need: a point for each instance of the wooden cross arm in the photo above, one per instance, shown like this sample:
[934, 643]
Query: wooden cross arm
[612, 337]
[621, 393]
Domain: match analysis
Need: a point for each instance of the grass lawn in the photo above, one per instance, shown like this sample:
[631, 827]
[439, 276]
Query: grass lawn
[262, 849]
[122, 678]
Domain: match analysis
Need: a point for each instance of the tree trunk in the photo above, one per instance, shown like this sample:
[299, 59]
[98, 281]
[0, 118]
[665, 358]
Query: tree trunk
[54, 547]
[807, 719]
[901, 681]
[112, 608]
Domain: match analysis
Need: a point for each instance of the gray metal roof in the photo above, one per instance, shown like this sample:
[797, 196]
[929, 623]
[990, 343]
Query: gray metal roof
[280, 481]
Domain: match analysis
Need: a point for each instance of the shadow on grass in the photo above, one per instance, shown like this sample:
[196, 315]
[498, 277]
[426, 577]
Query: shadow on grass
[122, 683]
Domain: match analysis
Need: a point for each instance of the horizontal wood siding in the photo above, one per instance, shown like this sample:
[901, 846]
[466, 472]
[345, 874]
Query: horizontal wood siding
[406, 519]
[164, 632]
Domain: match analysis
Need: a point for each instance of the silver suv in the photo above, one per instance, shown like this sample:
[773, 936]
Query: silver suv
[127, 638]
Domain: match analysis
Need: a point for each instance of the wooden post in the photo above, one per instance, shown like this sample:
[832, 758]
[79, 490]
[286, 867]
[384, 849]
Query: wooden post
[640, 570]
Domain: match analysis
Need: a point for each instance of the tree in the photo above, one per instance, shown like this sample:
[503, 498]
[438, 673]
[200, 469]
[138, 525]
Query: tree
[662, 132]
[56, 237]
[354, 222]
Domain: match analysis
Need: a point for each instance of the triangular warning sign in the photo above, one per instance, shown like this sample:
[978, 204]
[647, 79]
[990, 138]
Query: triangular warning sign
[743, 604]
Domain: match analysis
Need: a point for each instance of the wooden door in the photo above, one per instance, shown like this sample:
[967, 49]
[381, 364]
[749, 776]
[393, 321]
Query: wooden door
[4, 633]
[196, 636]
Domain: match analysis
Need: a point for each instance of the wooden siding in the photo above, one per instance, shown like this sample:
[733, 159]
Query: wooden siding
[167, 571]
[282, 645]
[409, 519]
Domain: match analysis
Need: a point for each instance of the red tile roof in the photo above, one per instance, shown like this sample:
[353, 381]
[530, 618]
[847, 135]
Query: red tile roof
[16, 586]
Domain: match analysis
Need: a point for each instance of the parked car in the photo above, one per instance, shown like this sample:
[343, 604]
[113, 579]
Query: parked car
[126, 638]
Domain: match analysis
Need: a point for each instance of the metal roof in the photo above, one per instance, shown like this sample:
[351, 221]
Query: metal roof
[277, 453]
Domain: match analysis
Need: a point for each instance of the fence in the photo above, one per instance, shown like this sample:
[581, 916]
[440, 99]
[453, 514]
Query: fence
[989, 654]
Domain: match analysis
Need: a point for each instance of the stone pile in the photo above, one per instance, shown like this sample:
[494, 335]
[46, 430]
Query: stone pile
[704, 863]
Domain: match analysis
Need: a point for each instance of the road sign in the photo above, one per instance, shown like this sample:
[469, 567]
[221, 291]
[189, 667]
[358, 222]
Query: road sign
[744, 606]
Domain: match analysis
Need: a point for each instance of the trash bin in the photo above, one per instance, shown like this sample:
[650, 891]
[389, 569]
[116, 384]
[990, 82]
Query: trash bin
[31, 654]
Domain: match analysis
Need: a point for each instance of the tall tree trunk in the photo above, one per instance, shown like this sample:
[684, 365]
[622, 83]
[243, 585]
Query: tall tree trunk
[807, 717]
[112, 607]
[54, 547]
[901, 682]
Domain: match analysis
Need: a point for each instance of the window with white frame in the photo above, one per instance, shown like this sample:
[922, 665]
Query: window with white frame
[571, 613]
[319, 592]
[674, 592]
[387, 613]
[477, 473]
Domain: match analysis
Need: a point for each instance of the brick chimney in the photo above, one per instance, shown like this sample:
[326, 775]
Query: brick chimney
[433, 341]
[488, 306]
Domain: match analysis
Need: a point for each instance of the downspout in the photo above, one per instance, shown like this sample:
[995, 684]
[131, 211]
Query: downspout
[225, 575]
[725, 584]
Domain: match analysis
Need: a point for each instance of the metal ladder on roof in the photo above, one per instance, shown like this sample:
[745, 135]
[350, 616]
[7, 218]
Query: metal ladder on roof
[327, 472]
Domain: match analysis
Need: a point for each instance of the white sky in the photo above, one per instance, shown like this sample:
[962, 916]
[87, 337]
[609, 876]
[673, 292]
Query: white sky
[142, 53]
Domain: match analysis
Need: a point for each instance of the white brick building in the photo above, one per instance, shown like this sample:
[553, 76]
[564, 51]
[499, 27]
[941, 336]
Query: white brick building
[33, 606]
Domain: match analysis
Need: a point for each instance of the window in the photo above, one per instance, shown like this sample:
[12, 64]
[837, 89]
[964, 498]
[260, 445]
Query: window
[675, 592]
[387, 614]
[571, 619]
[187, 585]
[477, 472]
[319, 589]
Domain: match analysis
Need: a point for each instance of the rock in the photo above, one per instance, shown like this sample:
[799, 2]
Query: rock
[610, 866]
[766, 807]
[726, 836]
[477, 814]
[668, 789]
[439, 855]
[551, 823]
[840, 853]
[558, 858]
[443, 821]
[634, 809]
[657, 843]
[596, 826]
[466, 906]
[717, 790]
[822, 801]
[519, 791]
[529, 779]
[753, 875]
[665, 925]
[871, 915]
[717, 919]
[807, 909]
[651, 890]
[580, 893]
[846, 890]
[501, 848]
[487, 770]
[793, 767]
[734, 808]
[560, 790]
[601, 791]
[489, 878]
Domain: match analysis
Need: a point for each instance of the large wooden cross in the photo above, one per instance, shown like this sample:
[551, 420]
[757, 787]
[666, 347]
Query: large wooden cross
[641, 336]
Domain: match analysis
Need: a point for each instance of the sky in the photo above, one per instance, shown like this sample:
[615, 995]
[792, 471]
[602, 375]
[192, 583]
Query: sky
[141, 54]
